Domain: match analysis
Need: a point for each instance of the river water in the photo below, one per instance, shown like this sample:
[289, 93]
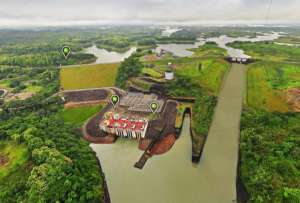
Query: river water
[222, 41]
[104, 56]
[168, 178]
[171, 177]
[168, 31]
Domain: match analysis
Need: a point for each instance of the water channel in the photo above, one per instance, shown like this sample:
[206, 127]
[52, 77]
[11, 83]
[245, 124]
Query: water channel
[171, 177]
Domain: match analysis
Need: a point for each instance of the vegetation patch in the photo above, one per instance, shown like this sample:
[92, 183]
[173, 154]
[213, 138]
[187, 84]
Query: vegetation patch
[209, 49]
[79, 115]
[115, 43]
[152, 72]
[208, 72]
[270, 155]
[88, 76]
[129, 68]
[269, 51]
[12, 155]
[267, 83]
[140, 84]
[181, 107]
[289, 40]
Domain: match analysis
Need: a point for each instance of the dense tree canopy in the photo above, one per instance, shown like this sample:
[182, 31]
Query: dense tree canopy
[130, 67]
[270, 156]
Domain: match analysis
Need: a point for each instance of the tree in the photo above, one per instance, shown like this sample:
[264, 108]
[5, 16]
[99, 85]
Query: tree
[16, 137]
[130, 67]
[35, 143]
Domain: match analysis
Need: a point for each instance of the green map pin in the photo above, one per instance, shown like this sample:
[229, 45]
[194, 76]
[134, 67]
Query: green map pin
[114, 99]
[154, 106]
[66, 51]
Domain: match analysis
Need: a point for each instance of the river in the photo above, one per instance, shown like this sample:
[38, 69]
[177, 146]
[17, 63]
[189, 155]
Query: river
[172, 177]
[222, 41]
[104, 56]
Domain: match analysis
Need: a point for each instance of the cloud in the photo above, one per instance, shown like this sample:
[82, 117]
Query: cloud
[75, 11]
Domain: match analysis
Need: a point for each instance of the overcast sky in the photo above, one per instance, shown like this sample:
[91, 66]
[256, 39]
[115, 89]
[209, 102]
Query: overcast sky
[60, 12]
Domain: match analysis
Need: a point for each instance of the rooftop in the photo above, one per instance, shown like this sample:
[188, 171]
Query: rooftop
[140, 102]
[114, 120]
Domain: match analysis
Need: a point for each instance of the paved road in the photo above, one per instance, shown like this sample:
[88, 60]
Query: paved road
[171, 177]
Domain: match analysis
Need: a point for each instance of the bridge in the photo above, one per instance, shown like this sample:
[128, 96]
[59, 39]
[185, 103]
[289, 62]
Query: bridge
[241, 60]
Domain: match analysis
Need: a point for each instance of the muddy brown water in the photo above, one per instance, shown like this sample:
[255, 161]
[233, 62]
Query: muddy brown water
[172, 177]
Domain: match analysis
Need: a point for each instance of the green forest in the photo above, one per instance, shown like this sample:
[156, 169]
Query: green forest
[43, 156]
[270, 126]
[59, 166]
[270, 156]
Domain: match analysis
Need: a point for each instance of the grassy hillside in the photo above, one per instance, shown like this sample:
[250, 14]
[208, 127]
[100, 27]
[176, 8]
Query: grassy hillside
[88, 76]
[267, 83]
[79, 115]
[209, 49]
[209, 73]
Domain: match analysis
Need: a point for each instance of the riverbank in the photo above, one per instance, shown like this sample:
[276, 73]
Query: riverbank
[163, 146]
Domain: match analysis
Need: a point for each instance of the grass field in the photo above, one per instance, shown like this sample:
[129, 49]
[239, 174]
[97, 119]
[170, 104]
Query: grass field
[15, 154]
[289, 40]
[269, 51]
[79, 115]
[210, 75]
[267, 83]
[88, 76]
[152, 73]
[209, 49]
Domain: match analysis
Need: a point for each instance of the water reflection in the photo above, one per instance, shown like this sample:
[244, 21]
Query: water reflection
[104, 56]
[222, 41]
[168, 178]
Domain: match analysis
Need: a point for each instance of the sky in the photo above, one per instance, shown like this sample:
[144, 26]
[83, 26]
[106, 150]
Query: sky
[72, 12]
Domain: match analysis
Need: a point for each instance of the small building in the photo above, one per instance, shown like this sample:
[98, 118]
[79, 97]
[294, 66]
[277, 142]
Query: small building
[123, 126]
[169, 73]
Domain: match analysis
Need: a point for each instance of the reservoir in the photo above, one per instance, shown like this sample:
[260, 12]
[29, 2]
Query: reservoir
[181, 50]
[172, 177]
[104, 56]
[167, 178]
[222, 41]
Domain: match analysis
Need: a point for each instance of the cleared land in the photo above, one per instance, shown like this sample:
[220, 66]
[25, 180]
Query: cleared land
[268, 82]
[88, 76]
